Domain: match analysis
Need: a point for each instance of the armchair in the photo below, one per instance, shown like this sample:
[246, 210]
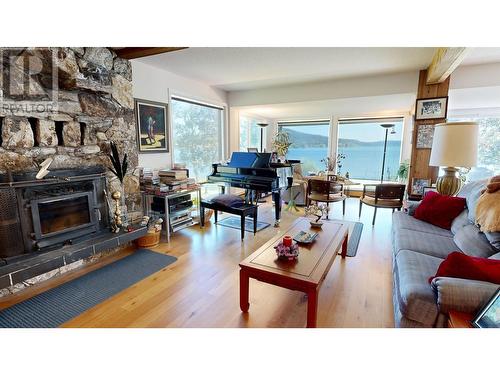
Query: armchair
[382, 196]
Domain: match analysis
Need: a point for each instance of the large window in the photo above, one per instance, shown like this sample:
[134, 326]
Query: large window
[361, 141]
[197, 136]
[488, 156]
[309, 143]
[249, 133]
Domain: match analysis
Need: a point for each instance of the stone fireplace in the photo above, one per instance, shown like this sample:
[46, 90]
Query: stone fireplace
[90, 91]
[67, 104]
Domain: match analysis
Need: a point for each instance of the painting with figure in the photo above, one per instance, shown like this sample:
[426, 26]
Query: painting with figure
[151, 118]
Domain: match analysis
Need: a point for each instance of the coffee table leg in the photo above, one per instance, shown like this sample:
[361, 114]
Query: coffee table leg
[244, 281]
[344, 246]
[312, 308]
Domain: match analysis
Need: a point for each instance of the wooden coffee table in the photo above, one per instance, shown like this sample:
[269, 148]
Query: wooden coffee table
[304, 274]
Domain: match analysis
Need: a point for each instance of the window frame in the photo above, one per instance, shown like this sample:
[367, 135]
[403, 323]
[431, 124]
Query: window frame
[310, 122]
[371, 119]
[256, 119]
[223, 131]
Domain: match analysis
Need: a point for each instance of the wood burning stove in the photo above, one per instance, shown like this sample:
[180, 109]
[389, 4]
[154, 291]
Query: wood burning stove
[66, 206]
[63, 218]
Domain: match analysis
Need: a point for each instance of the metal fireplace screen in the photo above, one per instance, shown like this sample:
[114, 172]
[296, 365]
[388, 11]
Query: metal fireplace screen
[10, 226]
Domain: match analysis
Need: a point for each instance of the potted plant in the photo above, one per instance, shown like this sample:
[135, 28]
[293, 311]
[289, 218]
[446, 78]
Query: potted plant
[281, 144]
[403, 170]
[319, 211]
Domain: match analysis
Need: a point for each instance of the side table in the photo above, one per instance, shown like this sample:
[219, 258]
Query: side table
[457, 319]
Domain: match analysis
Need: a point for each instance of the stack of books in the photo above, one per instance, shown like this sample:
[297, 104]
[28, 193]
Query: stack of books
[175, 179]
[148, 177]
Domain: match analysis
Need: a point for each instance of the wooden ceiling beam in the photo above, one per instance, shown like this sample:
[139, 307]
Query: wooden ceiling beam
[444, 62]
[137, 52]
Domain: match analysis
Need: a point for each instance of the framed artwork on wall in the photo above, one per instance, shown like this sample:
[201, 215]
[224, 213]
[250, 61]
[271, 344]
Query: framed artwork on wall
[151, 119]
[431, 109]
[418, 184]
[425, 134]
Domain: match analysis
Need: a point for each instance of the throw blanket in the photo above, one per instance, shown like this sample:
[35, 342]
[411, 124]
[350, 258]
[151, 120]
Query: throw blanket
[488, 208]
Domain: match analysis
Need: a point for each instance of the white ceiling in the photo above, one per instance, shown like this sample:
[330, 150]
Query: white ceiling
[483, 55]
[242, 68]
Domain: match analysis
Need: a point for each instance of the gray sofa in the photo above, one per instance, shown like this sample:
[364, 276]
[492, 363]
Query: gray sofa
[418, 250]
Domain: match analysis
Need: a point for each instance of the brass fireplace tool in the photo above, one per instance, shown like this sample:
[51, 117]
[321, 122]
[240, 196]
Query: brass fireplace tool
[118, 212]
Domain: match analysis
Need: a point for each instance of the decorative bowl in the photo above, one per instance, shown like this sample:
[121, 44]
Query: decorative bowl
[316, 224]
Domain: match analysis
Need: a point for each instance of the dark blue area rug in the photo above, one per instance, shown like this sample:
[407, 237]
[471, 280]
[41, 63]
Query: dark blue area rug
[58, 305]
[235, 222]
[354, 237]
[355, 231]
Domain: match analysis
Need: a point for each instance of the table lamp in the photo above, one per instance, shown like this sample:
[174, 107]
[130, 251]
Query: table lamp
[454, 145]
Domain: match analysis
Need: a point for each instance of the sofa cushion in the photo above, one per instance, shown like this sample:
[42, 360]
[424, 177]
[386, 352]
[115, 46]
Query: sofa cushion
[229, 200]
[473, 242]
[494, 239]
[495, 256]
[424, 243]
[460, 221]
[463, 266]
[401, 220]
[415, 296]
[471, 192]
[439, 209]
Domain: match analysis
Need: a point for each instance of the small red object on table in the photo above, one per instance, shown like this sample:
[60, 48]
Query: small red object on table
[287, 241]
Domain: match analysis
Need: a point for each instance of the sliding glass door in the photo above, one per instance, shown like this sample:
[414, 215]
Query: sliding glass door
[197, 136]
[362, 143]
[310, 142]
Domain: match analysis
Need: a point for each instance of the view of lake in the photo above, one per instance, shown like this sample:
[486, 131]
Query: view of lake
[361, 161]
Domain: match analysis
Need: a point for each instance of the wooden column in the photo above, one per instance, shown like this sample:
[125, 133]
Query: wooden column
[419, 165]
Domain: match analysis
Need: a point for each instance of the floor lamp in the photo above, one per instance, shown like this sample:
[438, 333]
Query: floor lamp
[386, 127]
[262, 125]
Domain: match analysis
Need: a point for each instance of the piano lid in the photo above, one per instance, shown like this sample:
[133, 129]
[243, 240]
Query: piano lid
[250, 160]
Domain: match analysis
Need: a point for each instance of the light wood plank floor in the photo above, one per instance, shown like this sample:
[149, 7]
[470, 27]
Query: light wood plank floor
[201, 289]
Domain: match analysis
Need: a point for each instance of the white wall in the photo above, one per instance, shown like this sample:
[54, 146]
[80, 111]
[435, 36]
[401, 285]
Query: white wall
[155, 84]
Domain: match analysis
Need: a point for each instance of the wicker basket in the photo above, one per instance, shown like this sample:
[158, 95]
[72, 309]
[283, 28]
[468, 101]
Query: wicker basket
[149, 240]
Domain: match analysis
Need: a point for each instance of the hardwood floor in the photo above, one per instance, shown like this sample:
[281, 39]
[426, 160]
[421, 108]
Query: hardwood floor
[201, 289]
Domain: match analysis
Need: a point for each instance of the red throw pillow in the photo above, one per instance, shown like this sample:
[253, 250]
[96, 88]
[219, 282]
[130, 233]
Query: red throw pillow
[439, 210]
[464, 266]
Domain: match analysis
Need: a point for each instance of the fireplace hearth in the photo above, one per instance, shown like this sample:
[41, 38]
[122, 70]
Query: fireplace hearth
[47, 224]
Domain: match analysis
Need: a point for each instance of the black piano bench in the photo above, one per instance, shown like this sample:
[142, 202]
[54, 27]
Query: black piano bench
[231, 204]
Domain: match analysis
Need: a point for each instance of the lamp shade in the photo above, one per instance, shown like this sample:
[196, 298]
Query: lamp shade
[454, 145]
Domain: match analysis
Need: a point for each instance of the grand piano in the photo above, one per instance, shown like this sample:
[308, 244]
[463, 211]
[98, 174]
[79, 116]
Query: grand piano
[254, 172]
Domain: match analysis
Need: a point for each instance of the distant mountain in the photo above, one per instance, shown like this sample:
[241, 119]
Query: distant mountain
[303, 140]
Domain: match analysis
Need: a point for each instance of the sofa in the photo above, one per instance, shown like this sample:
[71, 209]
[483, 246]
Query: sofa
[418, 250]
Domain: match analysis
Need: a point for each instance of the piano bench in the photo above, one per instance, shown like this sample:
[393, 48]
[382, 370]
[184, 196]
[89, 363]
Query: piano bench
[242, 211]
